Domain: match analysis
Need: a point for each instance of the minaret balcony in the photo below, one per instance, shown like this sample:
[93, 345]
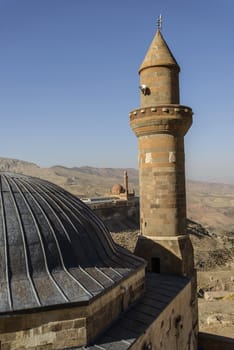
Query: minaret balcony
[173, 119]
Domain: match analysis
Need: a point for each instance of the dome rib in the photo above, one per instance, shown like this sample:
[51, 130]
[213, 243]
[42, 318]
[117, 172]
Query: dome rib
[90, 276]
[22, 290]
[58, 245]
[36, 187]
[113, 247]
[41, 242]
[24, 243]
[104, 274]
[64, 295]
[6, 252]
[85, 271]
[92, 218]
[77, 218]
[64, 214]
[110, 241]
[121, 270]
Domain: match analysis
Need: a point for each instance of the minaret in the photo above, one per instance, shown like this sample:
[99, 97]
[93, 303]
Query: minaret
[160, 125]
[126, 182]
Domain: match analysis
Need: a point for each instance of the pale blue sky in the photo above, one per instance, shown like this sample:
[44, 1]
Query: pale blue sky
[69, 78]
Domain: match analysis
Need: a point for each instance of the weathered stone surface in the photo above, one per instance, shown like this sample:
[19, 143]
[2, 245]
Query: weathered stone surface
[217, 295]
[163, 318]
[54, 335]
[70, 327]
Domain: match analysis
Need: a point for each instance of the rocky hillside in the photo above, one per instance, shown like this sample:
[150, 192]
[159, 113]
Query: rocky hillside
[17, 166]
[210, 204]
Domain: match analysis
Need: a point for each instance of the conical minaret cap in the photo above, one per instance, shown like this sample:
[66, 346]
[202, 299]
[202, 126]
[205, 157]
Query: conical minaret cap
[158, 54]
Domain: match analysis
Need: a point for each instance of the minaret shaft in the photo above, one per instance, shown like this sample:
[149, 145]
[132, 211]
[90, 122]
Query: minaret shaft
[126, 182]
[160, 125]
[164, 86]
[163, 207]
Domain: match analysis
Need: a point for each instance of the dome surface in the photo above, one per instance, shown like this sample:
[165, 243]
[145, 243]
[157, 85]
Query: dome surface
[117, 189]
[53, 248]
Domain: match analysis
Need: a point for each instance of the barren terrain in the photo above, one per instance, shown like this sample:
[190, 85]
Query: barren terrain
[210, 225]
[210, 204]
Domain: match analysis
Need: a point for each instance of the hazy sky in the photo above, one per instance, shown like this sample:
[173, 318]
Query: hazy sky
[69, 78]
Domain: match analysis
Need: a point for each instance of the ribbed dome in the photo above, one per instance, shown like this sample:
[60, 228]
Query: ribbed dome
[117, 189]
[53, 249]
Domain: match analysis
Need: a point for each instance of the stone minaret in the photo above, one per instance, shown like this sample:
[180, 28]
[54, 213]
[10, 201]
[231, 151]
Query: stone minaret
[126, 183]
[160, 125]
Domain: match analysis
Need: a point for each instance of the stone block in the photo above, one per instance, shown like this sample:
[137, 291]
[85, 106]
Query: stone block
[217, 295]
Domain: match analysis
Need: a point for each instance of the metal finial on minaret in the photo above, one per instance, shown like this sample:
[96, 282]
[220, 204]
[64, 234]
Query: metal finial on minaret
[159, 22]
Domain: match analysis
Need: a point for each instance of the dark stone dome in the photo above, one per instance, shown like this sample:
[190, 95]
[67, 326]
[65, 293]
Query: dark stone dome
[53, 249]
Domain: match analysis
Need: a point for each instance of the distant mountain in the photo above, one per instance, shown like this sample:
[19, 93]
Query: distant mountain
[15, 165]
[211, 204]
[116, 173]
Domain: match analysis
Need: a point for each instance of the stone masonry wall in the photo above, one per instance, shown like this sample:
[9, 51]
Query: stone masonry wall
[53, 335]
[119, 215]
[163, 83]
[72, 326]
[162, 185]
[174, 328]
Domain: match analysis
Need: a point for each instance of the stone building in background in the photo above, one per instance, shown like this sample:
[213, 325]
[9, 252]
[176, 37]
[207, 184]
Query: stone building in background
[122, 191]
